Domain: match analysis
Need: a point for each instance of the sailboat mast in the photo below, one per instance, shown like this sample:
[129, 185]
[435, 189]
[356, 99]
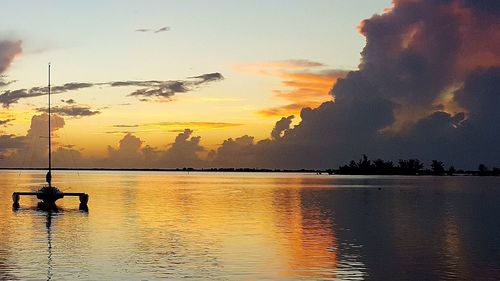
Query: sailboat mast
[50, 139]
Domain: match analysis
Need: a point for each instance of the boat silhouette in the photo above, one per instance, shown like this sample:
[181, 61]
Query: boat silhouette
[49, 194]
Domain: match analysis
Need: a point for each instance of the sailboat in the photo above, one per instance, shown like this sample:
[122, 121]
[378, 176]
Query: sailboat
[49, 194]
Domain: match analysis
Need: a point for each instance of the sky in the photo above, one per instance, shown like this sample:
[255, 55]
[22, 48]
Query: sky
[274, 84]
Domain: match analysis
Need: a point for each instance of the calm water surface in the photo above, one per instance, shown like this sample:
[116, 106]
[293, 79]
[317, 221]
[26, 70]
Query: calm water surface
[227, 226]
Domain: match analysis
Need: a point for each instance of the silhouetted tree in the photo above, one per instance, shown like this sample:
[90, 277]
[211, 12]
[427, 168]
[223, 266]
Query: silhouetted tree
[410, 166]
[383, 167]
[451, 171]
[364, 165]
[437, 168]
[496, 172]
[483, 170]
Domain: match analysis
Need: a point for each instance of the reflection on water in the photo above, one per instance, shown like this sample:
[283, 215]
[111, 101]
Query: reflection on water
[49, 245]
[227, 226]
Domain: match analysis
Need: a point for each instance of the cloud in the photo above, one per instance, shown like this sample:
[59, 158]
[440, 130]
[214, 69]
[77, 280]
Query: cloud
[162, 29]
[8, 142]
[273, 68]
[183, 152]
[307, 90]
[281, 126]
[164, 90]
[305, 84]
[177, 127]
[4, 83]
[10, 97]
[158, 30]
[131, 152]
[209, 77]
[66, 156]
[8, 51]
[125, 126]
[427, 86]
[128, 153]
[193, 125]
[69, 101]
[30, 150]
[5, 122]
[71, 110]
[282, 110]
[149, 90]
[238, 152]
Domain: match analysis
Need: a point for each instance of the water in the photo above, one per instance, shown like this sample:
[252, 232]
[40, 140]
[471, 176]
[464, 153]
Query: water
[231, 226]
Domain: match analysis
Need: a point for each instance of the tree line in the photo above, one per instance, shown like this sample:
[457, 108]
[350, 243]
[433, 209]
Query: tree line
[365, 166]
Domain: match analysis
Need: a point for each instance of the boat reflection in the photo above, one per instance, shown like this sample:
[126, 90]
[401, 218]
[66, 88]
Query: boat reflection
[49, 245]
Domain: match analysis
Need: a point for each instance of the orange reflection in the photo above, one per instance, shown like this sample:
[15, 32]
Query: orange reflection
[244, 227]
[241, 221]
[306, 237]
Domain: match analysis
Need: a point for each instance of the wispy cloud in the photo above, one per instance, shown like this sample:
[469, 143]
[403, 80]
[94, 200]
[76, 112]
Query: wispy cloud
[164, 90]
[274, 68]
[157, 30]
[125, 126]
[209, 77]
[13, 96]
[175, 126]
[162, 29]
[5, 122]
[305, 83]
[69, 101]
[281, 110]
[149, 89]
[4, 83]
[194, 125]
[76, 111]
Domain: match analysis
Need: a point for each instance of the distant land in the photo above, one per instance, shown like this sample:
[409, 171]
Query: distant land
[410, 167]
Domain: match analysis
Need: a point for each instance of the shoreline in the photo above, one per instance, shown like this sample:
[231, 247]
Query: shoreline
[236, 170]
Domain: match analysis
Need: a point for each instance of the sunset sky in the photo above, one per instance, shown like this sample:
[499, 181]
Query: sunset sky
[256, 46]
[129, 77]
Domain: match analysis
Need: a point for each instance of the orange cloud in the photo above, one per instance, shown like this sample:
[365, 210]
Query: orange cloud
[173, 126]
[305, 84]
[307, 89]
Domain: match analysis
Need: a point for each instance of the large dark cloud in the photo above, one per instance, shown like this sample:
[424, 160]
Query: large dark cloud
[427, 87]
[152, 89]
[487, 6]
